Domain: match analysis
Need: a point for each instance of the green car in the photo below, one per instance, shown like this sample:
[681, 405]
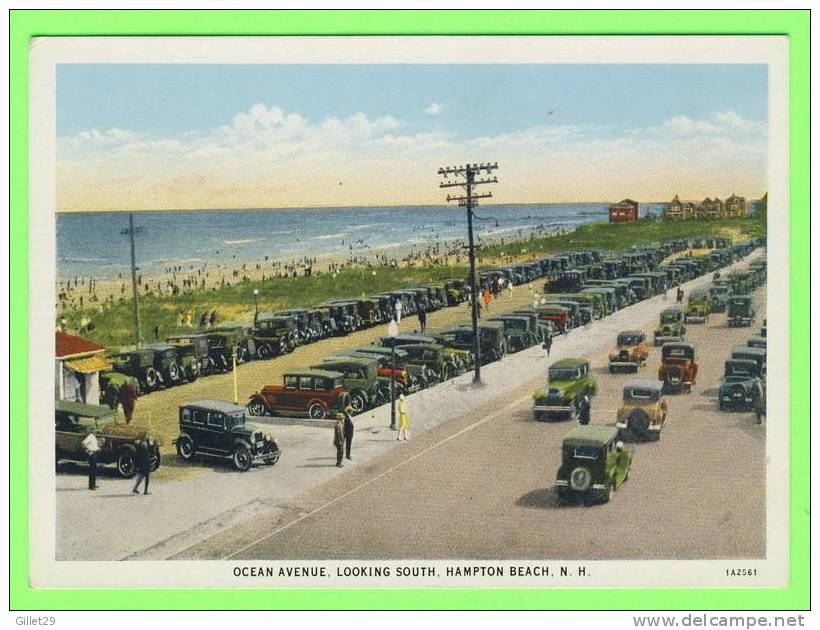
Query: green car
[740, 311]
[361, 377]
[569, 380]
[671, 326]
[517, 333]
[439, 364]
[592, 465]
[699, 306]
[273, 335]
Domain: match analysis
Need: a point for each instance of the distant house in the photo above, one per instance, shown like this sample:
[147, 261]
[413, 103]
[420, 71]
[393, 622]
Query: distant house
[735, 206]
[711, 209]
[623, 211]
[674, 210]
[78, 366]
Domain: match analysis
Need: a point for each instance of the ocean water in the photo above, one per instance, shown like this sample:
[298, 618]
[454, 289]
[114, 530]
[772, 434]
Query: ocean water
[91, 244]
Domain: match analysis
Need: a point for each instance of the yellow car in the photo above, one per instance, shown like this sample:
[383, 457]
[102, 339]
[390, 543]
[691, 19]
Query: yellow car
[630, 352]
[643, 411]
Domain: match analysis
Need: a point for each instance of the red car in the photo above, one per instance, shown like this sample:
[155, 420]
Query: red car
[678, 369]
[315, 393]
[560, 316]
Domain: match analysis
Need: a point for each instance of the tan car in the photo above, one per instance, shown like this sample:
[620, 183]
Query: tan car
[630, 352]
[643, 411]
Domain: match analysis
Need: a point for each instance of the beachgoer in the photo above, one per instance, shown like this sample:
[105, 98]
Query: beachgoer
[404, 420]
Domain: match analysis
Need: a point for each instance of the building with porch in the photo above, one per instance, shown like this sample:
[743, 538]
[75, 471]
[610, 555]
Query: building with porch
[78, 366]
[623, 211]
[735, 206]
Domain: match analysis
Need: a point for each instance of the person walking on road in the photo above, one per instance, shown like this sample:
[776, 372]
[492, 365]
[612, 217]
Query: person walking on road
[584, 410]
[680, 295]
[760, 402]
[339, 439]
[510, 290]
[422, 318]
[128, 399]
[349, 428]
[92, 447]
[404, 421]
[548, 342]
[398, 308]
[142, 461]
[488, 297]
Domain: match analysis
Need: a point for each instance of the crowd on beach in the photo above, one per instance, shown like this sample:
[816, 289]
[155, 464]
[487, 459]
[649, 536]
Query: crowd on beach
[79, 296]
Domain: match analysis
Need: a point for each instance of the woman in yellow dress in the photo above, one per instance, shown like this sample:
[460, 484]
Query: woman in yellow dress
[404, 421]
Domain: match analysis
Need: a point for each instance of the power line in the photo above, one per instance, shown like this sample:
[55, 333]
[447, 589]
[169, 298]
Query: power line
[468, 176]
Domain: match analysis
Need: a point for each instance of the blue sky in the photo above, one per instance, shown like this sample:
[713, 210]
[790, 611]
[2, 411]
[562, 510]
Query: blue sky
[496, 99]
[177, 126]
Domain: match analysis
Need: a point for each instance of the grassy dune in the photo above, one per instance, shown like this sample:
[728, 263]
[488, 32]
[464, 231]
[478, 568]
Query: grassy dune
[236, 303]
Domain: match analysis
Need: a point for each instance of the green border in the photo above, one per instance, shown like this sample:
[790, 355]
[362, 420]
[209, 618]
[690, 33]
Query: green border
[793, 23]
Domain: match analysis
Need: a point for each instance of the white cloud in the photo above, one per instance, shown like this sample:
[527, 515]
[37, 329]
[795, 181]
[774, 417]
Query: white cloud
[434, 108]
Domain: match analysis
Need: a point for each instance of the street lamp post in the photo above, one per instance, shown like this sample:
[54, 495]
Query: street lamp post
[255, 305]
[393, 332]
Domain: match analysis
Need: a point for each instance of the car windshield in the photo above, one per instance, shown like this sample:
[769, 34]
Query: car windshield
[669, 318]
[738, 371]
[563, 374]
[234, 419]
[272, 323]
[585, 452]
[640, 394]
[629, 340]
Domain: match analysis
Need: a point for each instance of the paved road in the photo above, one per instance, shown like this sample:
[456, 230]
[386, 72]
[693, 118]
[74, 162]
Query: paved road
[480, 486]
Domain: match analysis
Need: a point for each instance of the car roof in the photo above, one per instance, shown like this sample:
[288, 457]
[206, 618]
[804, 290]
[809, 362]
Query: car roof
[672, 309]
[701, 290]
[160, 346]
[271, 315]
[749, 362]
[314, 372]
[569, 363]
[355, 361]
[215, 405]
[428, 346]
[83, 409]
[644, 383]
[677, 344]
[191, 336]
[594, 434]
[749, 350]
[631, 332]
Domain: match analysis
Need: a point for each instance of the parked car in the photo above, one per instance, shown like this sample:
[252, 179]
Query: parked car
[492, 343]
[273, 335]
[719, 294]
[757, 342]
[517, 333]
[699, 306]
[642, 413]
[740, 311]
[361, 377]
[457, 291]
[192, 354]
[591, 465]
[631, 352]
[409, 377]
[559, 316]
[220, 429]
[314, 393]
[223, 340]
[74, 421]
[738, 389]
[439, 364]
[568, 381]
[758, 355]
[671, 326]
[141, 365]
[678, 369]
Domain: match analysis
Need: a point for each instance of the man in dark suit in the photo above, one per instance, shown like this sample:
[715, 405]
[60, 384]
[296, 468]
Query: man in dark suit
[584, 410]
[339, 439]
[142, 461]
[349, 428]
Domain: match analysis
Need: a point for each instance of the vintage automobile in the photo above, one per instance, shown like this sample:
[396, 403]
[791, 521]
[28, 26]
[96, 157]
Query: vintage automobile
[763, 329]
[698, 307]
[409, 376]
[559, 316]
[568, 381]
[568, 281]
[517, 333]
[594, 303]
[740, 282]
[117, 441]
[273, 335]
[719, 294]
[758, 355]
[580, 313]
[457, 291]
[437, 295]
[221, 340]
[315, 393]
[756, 342]
[541, 328]
[630, 353]
[192, 354]
[592, 467]
[385, 306]
[491, 338]
[671, 326]
[678, 369]
[439, 364]
[139, 364]
[220, 429]
[361, 377]
[642, 414]
[738, 389]
[740, 311]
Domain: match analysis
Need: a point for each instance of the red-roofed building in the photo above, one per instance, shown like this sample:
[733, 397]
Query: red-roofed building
[623, 211]
[78, 366]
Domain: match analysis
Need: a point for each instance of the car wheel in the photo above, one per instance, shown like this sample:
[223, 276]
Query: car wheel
[256, 408]
[150, 378]
[125, 464]
[242, 459]
[358, 401]
[271, 461]
[317, 411]
[445, 372]
[185, 448]
[191, 374]
[173, 373]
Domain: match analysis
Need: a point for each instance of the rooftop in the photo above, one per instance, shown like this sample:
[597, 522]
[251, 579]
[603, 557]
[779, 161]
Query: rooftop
[67, 345]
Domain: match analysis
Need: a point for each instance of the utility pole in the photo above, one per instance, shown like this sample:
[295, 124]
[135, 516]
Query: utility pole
[130, 231]
[465, 177]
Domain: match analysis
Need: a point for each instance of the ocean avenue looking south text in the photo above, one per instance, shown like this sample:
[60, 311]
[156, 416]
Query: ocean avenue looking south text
[327, 320]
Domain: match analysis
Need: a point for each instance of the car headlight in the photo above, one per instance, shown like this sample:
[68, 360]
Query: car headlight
[580, 479]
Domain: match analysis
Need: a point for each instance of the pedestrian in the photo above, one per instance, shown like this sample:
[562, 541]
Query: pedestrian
[128, 398]
[680, 295]
[398, 308]
[760, 402]
[92, 447]
[487, 298]
[156, 332]
[142, 461]
[349, 428]
[422, 318]
[510, 290]
[339, 439]
[584, 409]
[404, 421]
[548, 342]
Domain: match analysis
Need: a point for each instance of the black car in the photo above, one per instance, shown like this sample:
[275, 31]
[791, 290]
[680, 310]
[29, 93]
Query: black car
[220, 429]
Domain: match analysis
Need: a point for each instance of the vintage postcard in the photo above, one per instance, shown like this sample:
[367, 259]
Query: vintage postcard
[402, 312]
